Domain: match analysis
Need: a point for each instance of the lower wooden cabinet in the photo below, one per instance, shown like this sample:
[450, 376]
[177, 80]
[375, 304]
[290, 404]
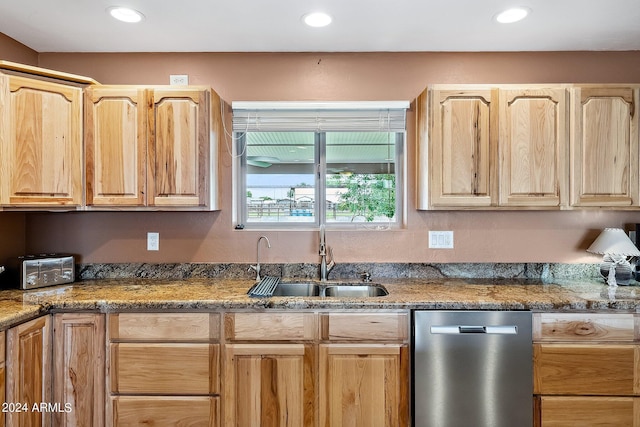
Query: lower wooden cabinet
[364, 385]
[347, 369]
[586, 369]
[164, 369]
[79, 369]
[269, 385]
[28, 373]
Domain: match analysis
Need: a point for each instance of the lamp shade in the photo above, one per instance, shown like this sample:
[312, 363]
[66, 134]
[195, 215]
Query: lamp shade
[614, 241]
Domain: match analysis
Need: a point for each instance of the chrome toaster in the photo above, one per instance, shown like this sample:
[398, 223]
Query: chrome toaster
[37, 271]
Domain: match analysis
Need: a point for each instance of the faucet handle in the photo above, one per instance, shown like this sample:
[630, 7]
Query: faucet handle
[366, 276]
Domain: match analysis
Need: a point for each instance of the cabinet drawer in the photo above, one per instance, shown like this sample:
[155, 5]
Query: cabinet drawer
[582, 369]
[165, 411]
[164, 327]
[181, 369]
[584, 327]
[270, 326]
[564, 411]
[364, 326]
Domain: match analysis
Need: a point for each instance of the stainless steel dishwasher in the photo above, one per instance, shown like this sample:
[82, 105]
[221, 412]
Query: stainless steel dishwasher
[472, 369]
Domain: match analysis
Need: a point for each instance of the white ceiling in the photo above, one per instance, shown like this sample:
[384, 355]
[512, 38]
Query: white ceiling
[358, 25]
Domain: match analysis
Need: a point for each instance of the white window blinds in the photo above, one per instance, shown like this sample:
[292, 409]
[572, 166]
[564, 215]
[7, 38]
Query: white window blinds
[389, 116]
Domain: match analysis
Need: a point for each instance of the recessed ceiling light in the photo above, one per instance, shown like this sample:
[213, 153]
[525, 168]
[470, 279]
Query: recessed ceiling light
[317, 19]
[125, 14]
[512, 15]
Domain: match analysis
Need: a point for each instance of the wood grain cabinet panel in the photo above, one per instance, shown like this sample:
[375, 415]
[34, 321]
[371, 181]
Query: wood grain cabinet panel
[134, 411]
[585, 327]
[565, 411]
[79, 369]
[586, 369]
[269, 385]
[172, 327]
[283, 326]
[178, 165]
[165, 368]
[604, 146]
[116, 145]
[533, 147]
[463, 137]
[364, 385]
[29, 371]
[40, 143]
[364, 326]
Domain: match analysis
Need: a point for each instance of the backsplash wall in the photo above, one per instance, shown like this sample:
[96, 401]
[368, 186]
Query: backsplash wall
[480, 237]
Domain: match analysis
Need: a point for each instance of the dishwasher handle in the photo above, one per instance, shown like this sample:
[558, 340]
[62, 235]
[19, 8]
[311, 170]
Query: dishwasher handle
[474, 329]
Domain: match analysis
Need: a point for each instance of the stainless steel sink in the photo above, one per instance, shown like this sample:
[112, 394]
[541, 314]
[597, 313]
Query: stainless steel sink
[355, 291]
[334, 290]
[301, 289]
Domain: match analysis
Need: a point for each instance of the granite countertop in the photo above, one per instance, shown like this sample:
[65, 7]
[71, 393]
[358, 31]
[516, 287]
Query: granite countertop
[205, 294]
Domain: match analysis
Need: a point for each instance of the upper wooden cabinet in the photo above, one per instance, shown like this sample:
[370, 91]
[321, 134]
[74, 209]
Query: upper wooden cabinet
[462, 140]
[490, 147]
[152, 146]
[40, 143]
[116, 145]
[533, 146]
[604, 150]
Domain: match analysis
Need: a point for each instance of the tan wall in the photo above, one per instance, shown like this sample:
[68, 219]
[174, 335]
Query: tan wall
[209, 237]
[11, 50]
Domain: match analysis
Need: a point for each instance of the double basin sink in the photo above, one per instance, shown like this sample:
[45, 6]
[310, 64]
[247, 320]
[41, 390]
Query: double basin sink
[331, 290]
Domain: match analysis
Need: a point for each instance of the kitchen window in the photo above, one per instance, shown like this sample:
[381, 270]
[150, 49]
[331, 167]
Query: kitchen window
[306, 164]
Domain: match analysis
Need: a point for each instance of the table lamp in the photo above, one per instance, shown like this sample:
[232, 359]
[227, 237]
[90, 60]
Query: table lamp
[615, 246]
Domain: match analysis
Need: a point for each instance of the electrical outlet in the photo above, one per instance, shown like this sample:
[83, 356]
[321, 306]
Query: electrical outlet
[441, 239]
[153, 241]
[178, 79]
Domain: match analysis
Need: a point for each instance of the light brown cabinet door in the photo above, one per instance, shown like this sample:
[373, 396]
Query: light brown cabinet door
[604, 146]
[79, 369]
[364, 385]
[178, 166]
[533, 147]
[570, 411]
[462, 142]
[269, 385]
[141, 411]
[40, 143]
[115, 145]
[29, 372]
[586, 369]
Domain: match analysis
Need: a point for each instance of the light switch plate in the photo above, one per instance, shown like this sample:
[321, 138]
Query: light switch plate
[441, 239]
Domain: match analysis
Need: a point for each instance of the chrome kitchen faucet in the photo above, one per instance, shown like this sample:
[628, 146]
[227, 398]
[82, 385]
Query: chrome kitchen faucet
[325, 268]
[257, 266]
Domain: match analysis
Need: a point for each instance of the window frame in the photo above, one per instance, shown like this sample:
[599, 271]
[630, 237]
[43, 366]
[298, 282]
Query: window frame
[320, 186]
